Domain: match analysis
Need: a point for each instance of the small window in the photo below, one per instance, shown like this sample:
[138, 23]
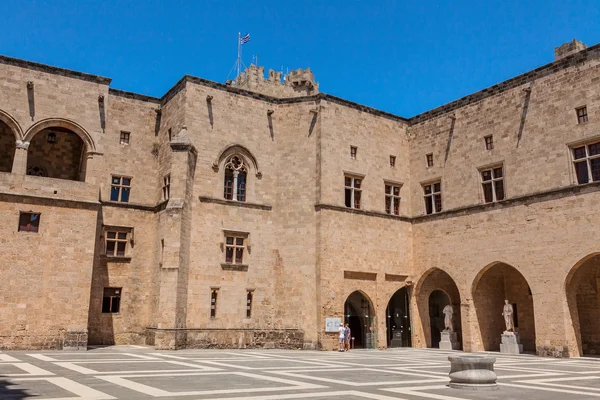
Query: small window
[586, 160]
[353, 150]
[111, 301]
[433, 197]
[166, 189]
[489, 142]
[353, 191]
[236, 174]
[213, 302]
[116, 243]
[170, 133]
[124, 137]
[392, 161]
[249, 296]
[29, 222]
[429, 159]
[582, 116]
[392, 199]
[120, 188]
[492, 181]
[234, 249]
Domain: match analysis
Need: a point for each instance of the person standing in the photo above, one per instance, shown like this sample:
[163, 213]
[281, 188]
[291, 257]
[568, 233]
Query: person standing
[347, 333]
[341, 336]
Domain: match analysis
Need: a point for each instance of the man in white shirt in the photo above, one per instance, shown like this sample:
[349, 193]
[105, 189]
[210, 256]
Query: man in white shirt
[341, 336]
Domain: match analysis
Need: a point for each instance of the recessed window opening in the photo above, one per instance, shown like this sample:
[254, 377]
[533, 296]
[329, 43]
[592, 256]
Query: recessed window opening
[392, 161]
[489, 142]
[29, 222]
[234, 250]
[166, 188]
[586, 160]
[433, 197]
[213, 303]
[120, 188]
[116, 243]
[353, 150]
[236, 173]
[111, 300]
[353, 191]
[492, 182]
[124, 139]
[429, 158]
[582, 115]
[249, 296]
[392, 199]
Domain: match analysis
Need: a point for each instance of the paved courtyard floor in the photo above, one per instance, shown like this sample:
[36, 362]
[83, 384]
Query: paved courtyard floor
[135, 372]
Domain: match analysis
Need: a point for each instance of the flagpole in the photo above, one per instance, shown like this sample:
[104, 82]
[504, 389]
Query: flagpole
[239, 53]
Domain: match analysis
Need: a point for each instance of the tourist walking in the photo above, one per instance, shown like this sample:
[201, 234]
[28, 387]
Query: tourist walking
[347, 333]
[341, 336]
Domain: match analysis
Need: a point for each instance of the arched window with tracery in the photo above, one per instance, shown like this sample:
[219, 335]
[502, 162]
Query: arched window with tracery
[236, 173]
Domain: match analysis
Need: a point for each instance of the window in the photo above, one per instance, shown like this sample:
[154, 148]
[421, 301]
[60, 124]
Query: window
[392, 161]
[492, 181]
[489, 142]
[249, 296]
[433, 197]
[213, 302]
[29, 222]
[582, 116]
[111, 301]
[234, 250]
[587, 163]
[166, 189]
[429, 159]
[353, 191]
[353, 150]
[120, 188]
[236, 173]
[116, 243]
[170, 133]
[124, 137]
[392, 199]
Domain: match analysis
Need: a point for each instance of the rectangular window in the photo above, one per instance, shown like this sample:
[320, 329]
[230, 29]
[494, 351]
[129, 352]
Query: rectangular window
[353, 150]
[249, 296]
[116, 243]
[587, 163]
[489, 142]
[392, 161]
[170, 133]
[213, 302]
[433, 197]
[234, 250]
[29, 222]
[492, 181]
[111, 301]
[582, 116]
[392, 199]
[124, 137]
[166, 189]
[352, 191]
[429, 160]
[120, 188]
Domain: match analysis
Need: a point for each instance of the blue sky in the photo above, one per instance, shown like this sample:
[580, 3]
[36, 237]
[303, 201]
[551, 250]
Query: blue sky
[403, 57]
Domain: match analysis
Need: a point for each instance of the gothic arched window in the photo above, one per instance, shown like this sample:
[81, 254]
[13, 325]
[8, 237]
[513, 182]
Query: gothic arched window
[236, 173]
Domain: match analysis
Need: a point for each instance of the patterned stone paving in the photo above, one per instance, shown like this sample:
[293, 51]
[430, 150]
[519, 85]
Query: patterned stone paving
[135, 372]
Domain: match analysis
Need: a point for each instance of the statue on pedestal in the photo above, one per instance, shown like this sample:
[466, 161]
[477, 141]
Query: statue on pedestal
[508, 317]
[448, 311]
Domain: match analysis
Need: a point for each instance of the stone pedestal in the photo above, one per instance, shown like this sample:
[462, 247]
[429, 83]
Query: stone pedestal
[511, 343]
[449, 341]
[472, 372]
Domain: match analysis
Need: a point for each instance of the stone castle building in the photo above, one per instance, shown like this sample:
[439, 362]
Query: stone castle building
[250, 214]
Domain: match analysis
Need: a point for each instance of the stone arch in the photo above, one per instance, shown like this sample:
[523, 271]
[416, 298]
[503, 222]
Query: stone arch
[62, 123]
[496, 282]
[398, 319]
[10, 137]
[436, 279]
[582, 289]
[12, 124]
[360, 314]
[238, 149]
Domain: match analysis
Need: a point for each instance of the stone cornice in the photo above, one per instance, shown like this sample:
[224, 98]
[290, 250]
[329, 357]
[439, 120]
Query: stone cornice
[242, 204]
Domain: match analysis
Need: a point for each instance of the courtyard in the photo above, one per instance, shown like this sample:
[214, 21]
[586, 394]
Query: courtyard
[136, 372]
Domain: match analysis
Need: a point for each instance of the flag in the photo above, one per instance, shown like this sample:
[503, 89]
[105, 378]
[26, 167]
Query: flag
[245, 38]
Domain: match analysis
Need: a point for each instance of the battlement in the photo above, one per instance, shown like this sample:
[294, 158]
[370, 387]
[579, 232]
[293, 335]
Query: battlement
[566, 49]
[300, 82]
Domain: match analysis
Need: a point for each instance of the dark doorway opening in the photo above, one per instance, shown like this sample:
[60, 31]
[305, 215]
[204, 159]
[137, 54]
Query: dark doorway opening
[398, 320]
[359, 315]
[437, 301]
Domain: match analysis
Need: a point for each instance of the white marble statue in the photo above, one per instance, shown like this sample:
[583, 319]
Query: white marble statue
[448, 311]
[508, 316]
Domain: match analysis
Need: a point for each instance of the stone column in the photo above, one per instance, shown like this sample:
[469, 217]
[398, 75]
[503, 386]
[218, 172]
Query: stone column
[20, 160]
[175, 223]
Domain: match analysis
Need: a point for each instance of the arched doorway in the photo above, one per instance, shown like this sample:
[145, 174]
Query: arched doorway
[494, 284]
[398, 320]
[437, 301]
[7, 147]
[360, 316]
[434, 291]
[57, 152]
[583, 297]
